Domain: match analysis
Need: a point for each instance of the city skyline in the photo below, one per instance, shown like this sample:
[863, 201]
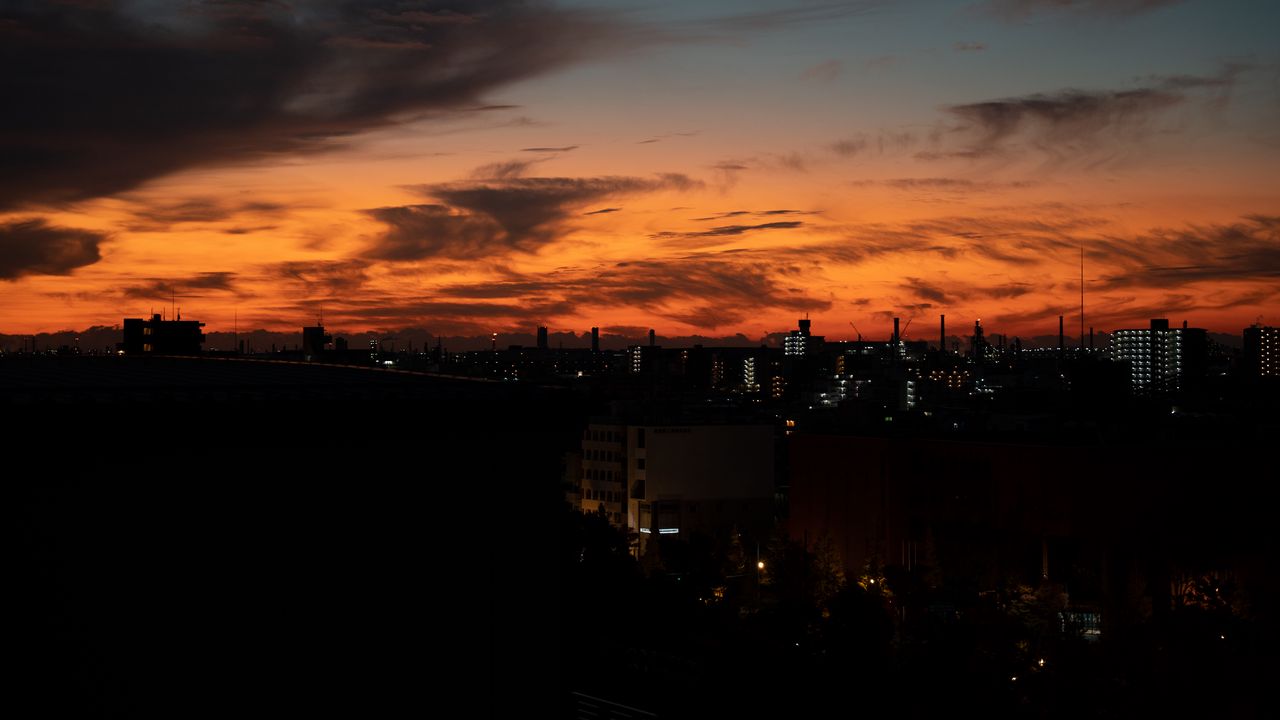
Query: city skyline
[708, 169]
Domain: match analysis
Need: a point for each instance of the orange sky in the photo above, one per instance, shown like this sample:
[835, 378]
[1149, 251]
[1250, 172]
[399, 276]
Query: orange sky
[721, 185]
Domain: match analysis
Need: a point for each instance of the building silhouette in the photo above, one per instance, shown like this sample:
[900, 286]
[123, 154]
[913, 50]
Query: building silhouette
[158, 336]
[314, 341]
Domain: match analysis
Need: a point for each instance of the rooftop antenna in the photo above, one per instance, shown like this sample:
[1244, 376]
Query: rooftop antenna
[1081, 298]
[173, 300]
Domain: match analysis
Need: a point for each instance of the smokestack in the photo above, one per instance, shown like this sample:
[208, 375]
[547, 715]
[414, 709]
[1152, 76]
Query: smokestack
[942, 333]
[595, 339]
[1062, 345]
[653, 338]
[895, 333]
[542, 337]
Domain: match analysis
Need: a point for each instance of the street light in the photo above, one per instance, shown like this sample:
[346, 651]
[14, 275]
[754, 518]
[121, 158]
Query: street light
[759, 571]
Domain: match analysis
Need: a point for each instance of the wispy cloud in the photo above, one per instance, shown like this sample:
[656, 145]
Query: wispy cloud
[1071, 122]
[723, 231]
[825, 71]
[149, 214]
[198, 285]
[1019, 10]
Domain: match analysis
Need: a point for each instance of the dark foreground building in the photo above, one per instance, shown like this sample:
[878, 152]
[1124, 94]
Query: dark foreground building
[157, 336]
[1123, 529]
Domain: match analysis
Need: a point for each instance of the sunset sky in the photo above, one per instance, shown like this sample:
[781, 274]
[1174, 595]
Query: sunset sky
[697, 167]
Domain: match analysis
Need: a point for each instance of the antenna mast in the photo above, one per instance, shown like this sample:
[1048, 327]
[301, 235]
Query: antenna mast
[1082, 298]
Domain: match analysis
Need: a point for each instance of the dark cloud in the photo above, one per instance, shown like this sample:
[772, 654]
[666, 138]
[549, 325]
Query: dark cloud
[793, 161]
[949, 292]
[726, 173]
[34, 247]
[849, 147]
[563, 149]
[151, 215]
[199, 285]
[1068, 122]
[1225, 79]
[944, 185]
[1016, 10]
[1010, 290]
[1238, 265]
[240, 230]
[883, 61]
[1116, 311]
[824, 71]
[723, 215]
[319, 278]
[1248, 250]
[603, 211]
[705, 289]
[506, 170]
[758, 213]
[1060, 121]
[103, 96]
[384, 312]
[627, 331]
[881, 143]
[665, 136]
[779, 17]
[930, 184]
[731, 230]
[486, 219]
[422, 231]
[927, 291]
[970, 46]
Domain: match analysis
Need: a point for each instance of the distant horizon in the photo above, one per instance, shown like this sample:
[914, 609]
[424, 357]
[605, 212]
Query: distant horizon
[218, 340]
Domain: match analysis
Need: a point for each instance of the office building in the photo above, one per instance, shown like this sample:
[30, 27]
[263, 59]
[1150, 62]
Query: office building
[1161, 359]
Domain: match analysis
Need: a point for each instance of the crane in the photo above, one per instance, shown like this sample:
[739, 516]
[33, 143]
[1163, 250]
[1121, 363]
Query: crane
[855, 329]
[903, 334]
